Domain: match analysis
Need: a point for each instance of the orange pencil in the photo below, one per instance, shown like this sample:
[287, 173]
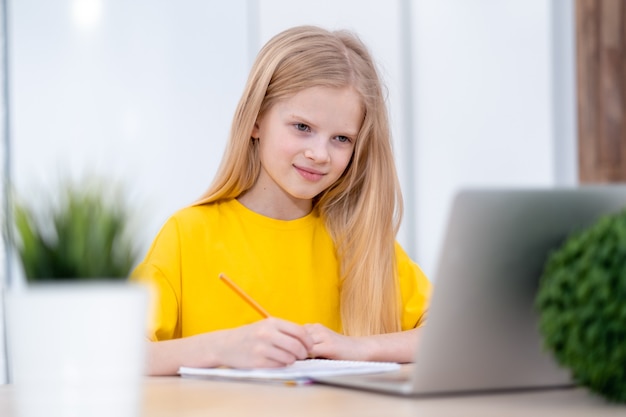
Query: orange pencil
[244, 296]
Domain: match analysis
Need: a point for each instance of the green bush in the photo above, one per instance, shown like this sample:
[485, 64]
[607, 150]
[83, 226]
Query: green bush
[81, 233]
[582, 306]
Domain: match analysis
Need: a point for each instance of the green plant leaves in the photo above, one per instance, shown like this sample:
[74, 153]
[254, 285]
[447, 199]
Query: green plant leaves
[582, 306]
[83, 236]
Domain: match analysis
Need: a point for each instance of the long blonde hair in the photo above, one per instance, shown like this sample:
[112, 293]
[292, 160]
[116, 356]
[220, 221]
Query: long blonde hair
[363, 208]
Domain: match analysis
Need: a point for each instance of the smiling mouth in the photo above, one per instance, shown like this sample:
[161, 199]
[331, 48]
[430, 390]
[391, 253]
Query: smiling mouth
[309, 175]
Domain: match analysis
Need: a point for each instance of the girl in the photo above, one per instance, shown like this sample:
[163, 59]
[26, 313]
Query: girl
[302, 215]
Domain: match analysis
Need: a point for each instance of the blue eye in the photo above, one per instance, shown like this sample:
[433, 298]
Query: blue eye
[343, 139]
[302, 127]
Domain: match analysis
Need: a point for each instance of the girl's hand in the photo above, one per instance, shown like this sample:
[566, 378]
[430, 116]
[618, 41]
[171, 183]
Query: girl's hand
[332, 345]
[267, 343]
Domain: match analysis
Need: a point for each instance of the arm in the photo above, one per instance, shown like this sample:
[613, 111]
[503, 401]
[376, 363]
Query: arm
[391, 347]
[265, 344]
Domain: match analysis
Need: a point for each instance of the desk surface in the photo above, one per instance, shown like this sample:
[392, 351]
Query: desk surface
[180, 397]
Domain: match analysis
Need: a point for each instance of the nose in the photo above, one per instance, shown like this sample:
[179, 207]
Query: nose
[317, 150]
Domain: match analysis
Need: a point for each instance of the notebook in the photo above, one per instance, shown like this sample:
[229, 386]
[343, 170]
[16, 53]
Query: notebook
[299, 373]
[481, 334]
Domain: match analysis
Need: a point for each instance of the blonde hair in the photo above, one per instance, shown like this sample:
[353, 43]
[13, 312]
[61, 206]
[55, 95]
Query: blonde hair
[362, 209]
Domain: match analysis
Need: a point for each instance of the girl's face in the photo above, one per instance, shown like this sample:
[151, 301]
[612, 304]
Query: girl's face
[305, 144]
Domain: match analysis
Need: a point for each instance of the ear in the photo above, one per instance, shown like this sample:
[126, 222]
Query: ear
[255, 130]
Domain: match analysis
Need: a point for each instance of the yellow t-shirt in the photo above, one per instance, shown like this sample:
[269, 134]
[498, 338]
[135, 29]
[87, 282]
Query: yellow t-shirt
[289, 267]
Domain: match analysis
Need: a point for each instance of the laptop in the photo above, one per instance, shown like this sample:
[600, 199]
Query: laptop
[482, 329]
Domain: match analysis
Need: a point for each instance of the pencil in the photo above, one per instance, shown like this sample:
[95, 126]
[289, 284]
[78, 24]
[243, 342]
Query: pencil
[244, 296]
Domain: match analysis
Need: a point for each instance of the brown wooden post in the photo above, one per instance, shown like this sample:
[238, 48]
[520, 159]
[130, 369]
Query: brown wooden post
[601, 87]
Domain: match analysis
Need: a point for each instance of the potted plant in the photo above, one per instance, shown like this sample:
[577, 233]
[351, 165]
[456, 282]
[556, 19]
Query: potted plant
[81, 233]
[582, 306]
[83, 327]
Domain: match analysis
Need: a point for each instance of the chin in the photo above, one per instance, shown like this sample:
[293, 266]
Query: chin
[305, 193]
[308, 196]
[302, 197]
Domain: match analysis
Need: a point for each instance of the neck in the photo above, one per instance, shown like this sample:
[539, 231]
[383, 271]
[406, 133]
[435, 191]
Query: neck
[276, 208]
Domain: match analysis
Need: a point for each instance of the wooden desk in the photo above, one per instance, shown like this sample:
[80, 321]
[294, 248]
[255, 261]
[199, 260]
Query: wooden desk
[174, 396]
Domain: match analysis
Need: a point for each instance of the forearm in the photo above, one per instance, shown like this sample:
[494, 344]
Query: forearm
[390, 347]
[265, 344]
[165, 357]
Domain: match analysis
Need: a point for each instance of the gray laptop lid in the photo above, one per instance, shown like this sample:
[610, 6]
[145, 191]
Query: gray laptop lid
[481, 332]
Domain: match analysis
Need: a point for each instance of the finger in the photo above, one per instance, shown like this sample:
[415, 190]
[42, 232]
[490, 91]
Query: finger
[317, 332]
[296, 331]
[275, 361]
[275, 358]
[291, 345]
[284, 335]
[273, 354]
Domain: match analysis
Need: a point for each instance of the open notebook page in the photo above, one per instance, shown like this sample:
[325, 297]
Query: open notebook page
[299, 372]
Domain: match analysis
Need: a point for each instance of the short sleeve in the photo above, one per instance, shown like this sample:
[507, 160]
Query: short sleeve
[415, 289]
[161, 269]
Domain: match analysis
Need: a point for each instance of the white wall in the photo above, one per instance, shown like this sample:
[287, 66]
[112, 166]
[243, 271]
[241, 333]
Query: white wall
[484, 99]
[144, 92]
